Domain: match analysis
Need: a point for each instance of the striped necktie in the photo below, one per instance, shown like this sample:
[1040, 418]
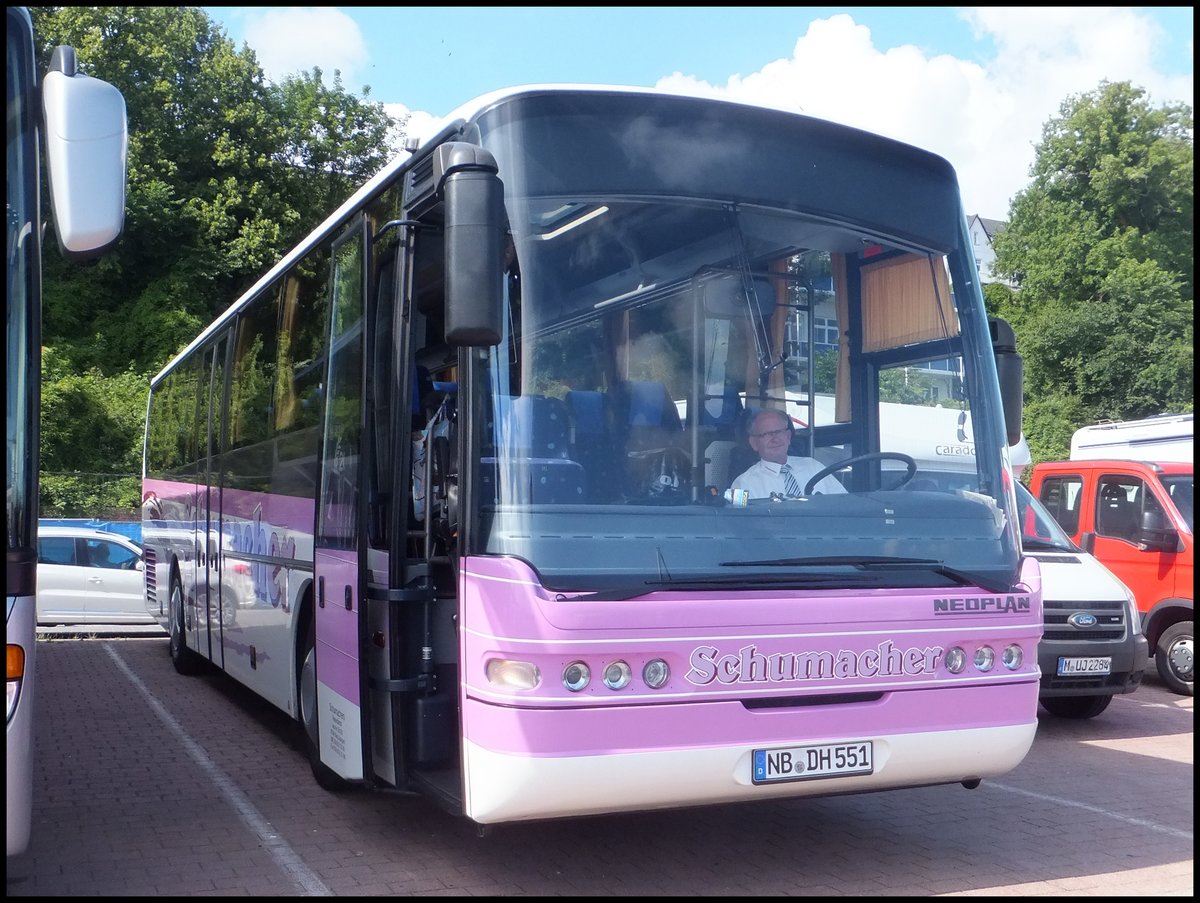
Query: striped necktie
[790, 486]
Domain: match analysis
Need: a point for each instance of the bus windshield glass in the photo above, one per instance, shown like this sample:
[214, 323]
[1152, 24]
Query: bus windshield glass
[657, 310]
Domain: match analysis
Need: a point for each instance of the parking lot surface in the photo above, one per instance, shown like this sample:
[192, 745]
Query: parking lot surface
[150, 783]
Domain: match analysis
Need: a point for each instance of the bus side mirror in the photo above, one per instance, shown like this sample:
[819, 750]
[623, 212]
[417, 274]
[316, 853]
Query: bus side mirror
[86, 145]
[1011, 370]
[1156, 534]
[474, 244]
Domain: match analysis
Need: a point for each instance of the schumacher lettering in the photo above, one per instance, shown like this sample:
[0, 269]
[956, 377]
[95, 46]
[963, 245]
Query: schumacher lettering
[748, 665]
[982, 605]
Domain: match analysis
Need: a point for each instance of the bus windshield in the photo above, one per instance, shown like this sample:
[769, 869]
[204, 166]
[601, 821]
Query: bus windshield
[646, 332]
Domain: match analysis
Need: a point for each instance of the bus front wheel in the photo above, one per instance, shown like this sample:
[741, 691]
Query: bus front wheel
[184, 659]
[326, 777]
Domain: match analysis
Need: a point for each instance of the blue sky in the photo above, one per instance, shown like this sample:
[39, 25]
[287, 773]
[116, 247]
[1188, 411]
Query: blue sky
[975, 84]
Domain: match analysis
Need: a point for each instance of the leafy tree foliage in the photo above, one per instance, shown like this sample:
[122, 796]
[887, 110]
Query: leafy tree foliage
[226, 170]
[1100, 244]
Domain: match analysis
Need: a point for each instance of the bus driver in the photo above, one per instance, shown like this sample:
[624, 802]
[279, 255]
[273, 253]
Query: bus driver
[778, 472]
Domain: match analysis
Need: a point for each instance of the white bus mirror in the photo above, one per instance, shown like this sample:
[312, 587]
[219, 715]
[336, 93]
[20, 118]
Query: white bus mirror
[86, 147]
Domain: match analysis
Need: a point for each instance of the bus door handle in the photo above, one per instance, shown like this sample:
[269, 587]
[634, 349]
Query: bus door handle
[320, 592]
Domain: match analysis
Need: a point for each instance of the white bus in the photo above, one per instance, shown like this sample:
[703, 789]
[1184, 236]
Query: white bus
[82, 122]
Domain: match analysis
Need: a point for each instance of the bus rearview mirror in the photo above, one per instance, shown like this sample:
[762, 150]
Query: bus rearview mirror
[474, 245]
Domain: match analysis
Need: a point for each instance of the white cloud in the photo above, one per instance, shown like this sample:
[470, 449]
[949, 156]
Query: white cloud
[985, 119]
[419, 125]
[288, 40]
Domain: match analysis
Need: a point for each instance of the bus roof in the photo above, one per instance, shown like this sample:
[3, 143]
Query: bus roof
[442, 128]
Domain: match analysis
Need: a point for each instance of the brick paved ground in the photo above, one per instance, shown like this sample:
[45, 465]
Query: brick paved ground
[149, 783]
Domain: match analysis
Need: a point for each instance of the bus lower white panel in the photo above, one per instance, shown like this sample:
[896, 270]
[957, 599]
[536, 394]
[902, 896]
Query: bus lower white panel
[503, 787]
[340, 722]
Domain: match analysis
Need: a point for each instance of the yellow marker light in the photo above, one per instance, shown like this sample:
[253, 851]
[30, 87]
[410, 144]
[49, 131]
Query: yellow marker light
[16, 662]
[16, 672]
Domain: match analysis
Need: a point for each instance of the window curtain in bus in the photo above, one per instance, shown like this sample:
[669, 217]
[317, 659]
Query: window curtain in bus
[906, 300]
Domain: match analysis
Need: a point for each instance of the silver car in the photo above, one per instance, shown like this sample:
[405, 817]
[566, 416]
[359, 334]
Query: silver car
[89, 576]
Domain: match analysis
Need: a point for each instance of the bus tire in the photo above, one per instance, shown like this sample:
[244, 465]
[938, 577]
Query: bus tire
[184, 659]
[310, 726]
[1175, 657]
[1076, 706]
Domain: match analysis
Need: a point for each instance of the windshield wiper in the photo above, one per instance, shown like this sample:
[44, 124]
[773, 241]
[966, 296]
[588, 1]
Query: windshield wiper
[1044, 545]
[875, 563]
[739, 581]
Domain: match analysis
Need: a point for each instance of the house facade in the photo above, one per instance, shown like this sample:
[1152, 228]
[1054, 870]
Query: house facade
[983, 231]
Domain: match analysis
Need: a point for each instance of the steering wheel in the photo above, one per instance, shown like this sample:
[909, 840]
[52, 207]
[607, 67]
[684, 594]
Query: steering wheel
[908, 462]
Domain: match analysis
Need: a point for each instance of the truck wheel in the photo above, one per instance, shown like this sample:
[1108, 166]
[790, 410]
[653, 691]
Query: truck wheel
[1174, 657]
[1076, 706]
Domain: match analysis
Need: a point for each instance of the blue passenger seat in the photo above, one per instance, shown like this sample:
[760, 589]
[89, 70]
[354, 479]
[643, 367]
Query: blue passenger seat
[536, 467]
[597, 444]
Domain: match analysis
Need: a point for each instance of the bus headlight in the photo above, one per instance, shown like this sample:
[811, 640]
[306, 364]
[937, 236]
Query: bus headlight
[512, 674]
[576, 676]
[617, 675]
[656, 673]
[985, 657]
[956, 660]
[1013, 657]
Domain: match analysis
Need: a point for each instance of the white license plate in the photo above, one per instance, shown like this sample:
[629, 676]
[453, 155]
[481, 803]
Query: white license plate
[801, 763]
[1093, 665]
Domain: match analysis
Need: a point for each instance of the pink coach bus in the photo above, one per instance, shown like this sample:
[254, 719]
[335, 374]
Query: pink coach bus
[450, 484]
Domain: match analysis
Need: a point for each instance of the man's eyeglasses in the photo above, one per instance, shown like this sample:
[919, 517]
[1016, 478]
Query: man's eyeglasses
[771, 434]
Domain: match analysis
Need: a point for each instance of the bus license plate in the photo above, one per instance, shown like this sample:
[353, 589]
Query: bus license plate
[1092, 665]
[802, 763]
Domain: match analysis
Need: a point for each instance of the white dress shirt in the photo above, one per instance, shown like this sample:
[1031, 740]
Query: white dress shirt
[763, 478]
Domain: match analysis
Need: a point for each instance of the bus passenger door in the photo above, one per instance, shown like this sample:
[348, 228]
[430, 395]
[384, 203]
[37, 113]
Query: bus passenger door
[207, 591]
[338, 542]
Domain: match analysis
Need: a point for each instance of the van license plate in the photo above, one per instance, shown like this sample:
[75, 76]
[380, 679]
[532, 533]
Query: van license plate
[1094, 665]
[802, 763]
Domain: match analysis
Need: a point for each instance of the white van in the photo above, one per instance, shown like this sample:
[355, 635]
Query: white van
[1092, 647]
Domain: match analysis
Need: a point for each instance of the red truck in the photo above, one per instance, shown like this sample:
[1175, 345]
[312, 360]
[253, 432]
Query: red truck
[1136, 518]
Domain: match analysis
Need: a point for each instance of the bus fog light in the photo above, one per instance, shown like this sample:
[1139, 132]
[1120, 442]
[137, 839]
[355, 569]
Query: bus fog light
[617, 675]
[956, 660]
[576, 676]
[1013, 657]
[656, 673]
[514, 675]
[985, 657]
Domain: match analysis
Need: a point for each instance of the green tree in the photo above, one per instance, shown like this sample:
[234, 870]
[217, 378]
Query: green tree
[226, 171]
[1100, 245]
